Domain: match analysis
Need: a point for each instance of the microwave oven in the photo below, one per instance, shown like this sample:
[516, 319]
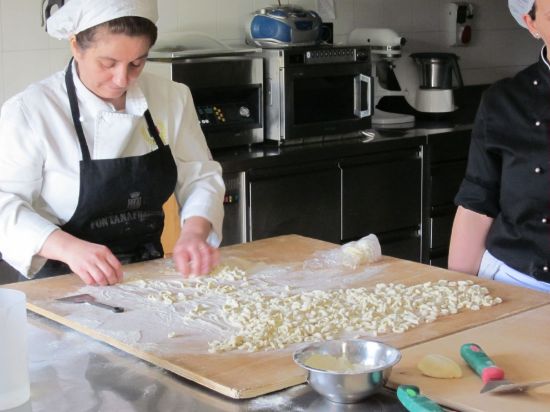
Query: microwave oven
[317, 92]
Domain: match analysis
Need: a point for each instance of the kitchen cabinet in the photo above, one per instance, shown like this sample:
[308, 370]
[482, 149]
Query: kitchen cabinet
[380, 187]
[341, 200]
[402, 190]
[382, 194]
[302, 200]
[446, 159]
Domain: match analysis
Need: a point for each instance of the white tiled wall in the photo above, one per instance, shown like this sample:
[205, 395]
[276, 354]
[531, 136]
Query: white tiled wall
[499, 47]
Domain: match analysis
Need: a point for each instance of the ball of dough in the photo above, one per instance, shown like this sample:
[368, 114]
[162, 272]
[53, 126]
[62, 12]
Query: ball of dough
[370, 246]
[439, 366]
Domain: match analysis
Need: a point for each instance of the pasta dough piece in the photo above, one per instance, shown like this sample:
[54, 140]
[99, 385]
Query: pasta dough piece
[364, 250]
[264, 322]
[439, 366]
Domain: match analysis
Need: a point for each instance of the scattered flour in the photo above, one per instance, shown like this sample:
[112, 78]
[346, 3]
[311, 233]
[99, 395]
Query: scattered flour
[254, 306]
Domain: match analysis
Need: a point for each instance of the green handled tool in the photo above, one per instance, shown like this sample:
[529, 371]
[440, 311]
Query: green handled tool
[413, 401]
[491, 375]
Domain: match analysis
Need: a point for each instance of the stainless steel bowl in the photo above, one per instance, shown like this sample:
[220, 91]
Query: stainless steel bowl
[372, 364]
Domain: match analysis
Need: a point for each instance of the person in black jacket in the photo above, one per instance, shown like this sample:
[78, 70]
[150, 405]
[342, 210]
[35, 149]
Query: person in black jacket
[502, 226]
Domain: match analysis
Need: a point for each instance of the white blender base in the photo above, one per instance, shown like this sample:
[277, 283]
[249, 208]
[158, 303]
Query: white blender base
[382, 118]
[435, 101]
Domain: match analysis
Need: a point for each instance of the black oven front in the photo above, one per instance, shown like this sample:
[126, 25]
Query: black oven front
[228, 96]
[317, 93]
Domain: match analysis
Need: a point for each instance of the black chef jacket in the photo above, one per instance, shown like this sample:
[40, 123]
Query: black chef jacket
[508, 176]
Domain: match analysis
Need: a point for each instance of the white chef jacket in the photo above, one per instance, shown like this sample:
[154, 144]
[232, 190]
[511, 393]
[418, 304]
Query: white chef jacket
[40, 156]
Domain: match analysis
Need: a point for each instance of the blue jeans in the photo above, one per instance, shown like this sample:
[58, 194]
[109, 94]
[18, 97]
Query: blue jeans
[495, 269]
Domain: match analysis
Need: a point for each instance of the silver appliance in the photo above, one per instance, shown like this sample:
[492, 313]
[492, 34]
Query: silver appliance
[227, 89]
[439, 75]
[283, 25]
[430, 79]
[317, 93]
[386, 46]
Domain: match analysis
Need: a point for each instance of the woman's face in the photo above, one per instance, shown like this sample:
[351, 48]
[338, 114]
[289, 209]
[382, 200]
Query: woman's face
[111, 64]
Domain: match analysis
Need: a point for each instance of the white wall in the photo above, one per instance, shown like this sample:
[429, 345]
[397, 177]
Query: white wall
[499, 47]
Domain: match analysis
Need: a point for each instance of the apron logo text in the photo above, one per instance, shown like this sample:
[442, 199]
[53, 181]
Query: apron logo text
[134, 202]
[122, 218]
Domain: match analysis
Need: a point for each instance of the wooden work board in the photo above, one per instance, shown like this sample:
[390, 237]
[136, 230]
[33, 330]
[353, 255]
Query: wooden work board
[519, 344]
[246, 375]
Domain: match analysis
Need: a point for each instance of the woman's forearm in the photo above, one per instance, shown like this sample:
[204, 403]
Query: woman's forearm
[468, 240]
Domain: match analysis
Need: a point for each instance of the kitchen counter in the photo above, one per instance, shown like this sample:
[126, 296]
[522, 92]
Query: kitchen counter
[108, 379]
[71, 371]
[271, 154]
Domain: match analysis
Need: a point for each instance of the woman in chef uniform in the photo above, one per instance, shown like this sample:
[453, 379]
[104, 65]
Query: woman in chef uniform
[89, 156]
[502, 226]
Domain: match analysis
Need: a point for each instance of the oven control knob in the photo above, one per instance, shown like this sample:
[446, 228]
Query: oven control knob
[244, 111]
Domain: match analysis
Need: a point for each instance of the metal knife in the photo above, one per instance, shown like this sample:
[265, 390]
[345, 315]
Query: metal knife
[491, 374]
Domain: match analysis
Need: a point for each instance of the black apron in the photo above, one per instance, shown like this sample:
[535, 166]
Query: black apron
[120, 200]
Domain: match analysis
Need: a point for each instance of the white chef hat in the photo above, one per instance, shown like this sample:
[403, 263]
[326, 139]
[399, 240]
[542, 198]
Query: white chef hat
[78, 15]
[520, 7]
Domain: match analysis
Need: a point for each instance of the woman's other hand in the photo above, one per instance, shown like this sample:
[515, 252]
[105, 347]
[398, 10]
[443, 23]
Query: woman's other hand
[192, 254]
[94, 264]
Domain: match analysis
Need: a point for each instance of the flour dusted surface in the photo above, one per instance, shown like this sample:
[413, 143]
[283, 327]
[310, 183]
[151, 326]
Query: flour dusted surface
[274, 322]
[253, 307]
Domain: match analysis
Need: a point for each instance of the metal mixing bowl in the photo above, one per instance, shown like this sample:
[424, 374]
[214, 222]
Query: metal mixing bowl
[371, 362]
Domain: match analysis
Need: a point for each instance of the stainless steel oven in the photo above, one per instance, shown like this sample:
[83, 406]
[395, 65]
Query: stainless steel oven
[318, 92]
[227, 91]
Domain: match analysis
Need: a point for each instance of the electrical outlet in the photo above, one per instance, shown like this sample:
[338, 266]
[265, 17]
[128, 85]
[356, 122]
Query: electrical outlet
[458, 21]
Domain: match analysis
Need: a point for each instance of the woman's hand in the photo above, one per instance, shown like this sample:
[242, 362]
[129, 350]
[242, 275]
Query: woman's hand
[94, 264]
[192, 255]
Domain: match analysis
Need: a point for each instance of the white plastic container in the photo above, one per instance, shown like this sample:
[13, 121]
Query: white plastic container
[14, 373]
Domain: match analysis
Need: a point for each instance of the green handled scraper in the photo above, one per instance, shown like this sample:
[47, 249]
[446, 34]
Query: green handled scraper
[413, 401]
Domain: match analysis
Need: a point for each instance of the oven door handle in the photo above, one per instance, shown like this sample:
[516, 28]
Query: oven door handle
[358, 82]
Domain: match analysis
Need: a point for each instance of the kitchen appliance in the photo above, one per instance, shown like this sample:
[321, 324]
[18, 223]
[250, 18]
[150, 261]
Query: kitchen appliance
[429, 79]
[227, 89]
[385, 47]
[280, 26]
[316, 93]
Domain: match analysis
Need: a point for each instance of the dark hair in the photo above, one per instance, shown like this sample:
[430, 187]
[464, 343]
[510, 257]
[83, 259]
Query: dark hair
[129, 25]
[533, 12]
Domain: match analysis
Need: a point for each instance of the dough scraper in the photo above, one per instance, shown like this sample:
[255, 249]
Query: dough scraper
[86, 298]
